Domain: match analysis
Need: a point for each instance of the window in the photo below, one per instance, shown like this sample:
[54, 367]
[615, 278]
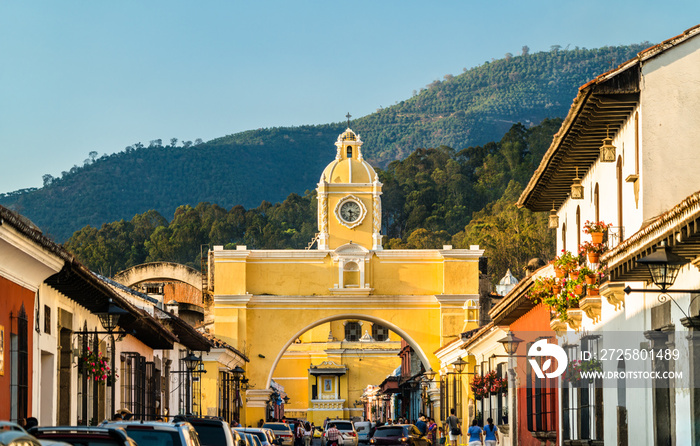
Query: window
[563, 236]
[596, 202]
[619, 194]
[380, 333]
[578, 227]
[47, 319]
[349, 152]
[353, 331]
[540, 401]
[582, 401]
[19, 360]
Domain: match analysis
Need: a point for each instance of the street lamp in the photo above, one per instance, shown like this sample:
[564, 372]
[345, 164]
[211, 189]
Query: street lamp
[286, 399]
[191, 361]
[510, 343]
[109, 320]
[459, 365]
[663, 266]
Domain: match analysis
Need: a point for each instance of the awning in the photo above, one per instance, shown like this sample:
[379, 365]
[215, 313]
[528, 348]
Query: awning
[679, 228]
[78, 283]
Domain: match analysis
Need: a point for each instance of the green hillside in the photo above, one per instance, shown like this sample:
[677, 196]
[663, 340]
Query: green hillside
[470, 109]
[431, 198]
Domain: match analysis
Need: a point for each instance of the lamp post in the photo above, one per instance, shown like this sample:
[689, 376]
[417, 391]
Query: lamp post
[238, 376]
[664, 266]
[429, 376]
[109, 320]
[510, 344]
[191, 362]
[459, 366]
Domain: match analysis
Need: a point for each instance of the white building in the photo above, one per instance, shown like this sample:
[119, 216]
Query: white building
[649, 106]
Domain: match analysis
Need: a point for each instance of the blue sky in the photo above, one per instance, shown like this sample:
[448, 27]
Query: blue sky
[78, 76]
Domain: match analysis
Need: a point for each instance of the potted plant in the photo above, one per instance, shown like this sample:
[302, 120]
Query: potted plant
[577, 372]
[593, 290]
[597, 229]
[592, 251]
[94, 366]
[565, 263]
[590, 276]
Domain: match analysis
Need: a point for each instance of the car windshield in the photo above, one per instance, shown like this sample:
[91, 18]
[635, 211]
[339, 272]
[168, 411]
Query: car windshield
[277, 426]
[152, 437]
[260, 435]
[210, 434]
[346, 426]
[389, 432]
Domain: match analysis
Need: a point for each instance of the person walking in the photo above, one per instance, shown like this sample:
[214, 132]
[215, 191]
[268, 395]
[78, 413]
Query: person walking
[308, 434]
[491, 433]
[453, 427]
[432, 430]
[332, 435]
[422, 425]
[475, 434]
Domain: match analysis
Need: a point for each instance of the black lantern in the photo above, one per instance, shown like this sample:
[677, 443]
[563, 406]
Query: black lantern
[577, 188]
[607, 150]
[553, 218]
[286, 399]
[191, 361]
[110, 318]
[429, 374]
[510, 343]
[459, 365]
[238, 371]
[663, 266]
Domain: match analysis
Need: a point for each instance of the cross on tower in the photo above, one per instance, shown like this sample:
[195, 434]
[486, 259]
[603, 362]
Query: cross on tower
[348, 116]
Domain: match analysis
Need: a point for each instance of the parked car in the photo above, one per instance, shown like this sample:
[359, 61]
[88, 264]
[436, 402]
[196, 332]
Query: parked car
[398, 434]
[212, 431]
[348, 434]
[238, 438]
[11, 434]
[107, 436]
[177, 433]
[282, 431]
[264, 435]
[364, 429]
[253, 440]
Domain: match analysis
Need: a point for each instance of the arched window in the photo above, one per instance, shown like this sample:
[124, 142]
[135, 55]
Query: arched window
[380, 333]
[578, 227]
[349, 152]
[353, 331]
[596, 202]
[351, 275]
[563, 236]
[619, 195]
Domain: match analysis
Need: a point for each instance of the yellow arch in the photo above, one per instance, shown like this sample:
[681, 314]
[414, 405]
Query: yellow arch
[393, 327]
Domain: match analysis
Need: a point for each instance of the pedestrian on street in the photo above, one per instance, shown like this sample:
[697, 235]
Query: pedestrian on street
[308, 433]
[332, 435]
[422, 425]
[432, 430]
[475, 434]
[491, 433]
[453, 426]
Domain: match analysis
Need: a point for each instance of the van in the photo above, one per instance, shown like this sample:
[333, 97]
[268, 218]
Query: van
[364, 429]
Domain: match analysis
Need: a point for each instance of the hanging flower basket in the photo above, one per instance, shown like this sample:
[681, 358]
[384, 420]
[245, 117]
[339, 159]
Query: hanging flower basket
[592, 291]
[593, 257]
[94, 366]
[578, 289]
[597, 237]
[591, 279]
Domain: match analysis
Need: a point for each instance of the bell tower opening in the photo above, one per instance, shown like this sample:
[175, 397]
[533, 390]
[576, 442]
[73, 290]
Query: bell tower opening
[349, 199]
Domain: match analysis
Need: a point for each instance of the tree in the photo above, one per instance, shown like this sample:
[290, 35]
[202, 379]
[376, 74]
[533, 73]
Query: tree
[47, 179]
[525, 50]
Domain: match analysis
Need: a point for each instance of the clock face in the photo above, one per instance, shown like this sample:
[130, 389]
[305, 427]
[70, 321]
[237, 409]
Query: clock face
[350, 211]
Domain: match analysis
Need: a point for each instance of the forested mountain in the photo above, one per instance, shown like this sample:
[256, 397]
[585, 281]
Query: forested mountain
[428, 200]
[461, 111]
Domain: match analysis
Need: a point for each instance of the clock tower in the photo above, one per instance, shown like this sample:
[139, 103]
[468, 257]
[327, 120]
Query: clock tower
[349, 203]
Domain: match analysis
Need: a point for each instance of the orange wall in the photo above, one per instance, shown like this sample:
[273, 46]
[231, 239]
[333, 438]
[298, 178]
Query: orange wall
[536, 319]
[11, 298]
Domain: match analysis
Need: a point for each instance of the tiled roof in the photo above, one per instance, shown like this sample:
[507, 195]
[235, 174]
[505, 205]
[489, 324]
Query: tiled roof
[218, 343]
[602, 103]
